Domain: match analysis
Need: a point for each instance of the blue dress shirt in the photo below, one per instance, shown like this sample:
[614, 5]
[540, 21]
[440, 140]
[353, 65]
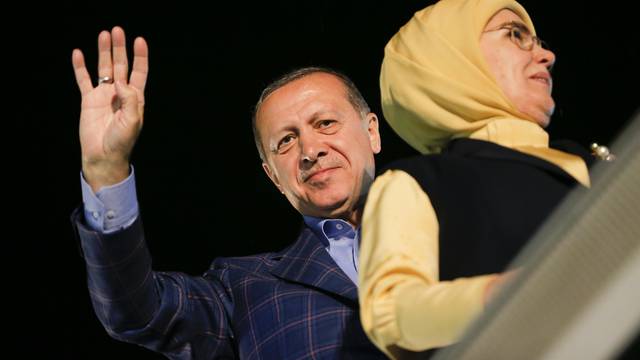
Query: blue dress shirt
[341, 242]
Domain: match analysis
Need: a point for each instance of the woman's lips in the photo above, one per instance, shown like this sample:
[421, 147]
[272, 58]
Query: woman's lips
[542, 77]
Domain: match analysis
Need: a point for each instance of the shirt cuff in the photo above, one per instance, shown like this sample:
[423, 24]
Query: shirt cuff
[113, 207]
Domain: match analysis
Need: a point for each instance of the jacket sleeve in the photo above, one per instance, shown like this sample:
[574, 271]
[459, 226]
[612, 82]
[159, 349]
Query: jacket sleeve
[403, 302]
[180, 316]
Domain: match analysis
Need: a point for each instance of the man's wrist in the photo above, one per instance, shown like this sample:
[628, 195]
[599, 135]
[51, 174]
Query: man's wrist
[99, 175]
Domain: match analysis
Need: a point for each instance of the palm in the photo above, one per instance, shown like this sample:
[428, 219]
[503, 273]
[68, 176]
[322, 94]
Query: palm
[105, 130]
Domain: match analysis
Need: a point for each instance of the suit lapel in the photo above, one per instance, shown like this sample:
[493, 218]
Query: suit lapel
[307, 262]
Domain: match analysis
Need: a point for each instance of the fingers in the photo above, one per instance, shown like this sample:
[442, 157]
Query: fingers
[80, 71]
[105, 67]
[140, 64]
[120, 64]
[129, 102]
[113, 62]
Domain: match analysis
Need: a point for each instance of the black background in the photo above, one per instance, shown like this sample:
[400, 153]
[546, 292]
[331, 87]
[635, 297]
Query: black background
[201, 189]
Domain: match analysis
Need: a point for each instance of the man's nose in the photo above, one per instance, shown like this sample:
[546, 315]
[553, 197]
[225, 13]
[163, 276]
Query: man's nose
[311, 149]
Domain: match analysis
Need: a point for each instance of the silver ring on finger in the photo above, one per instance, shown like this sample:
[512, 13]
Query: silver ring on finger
[105, 79]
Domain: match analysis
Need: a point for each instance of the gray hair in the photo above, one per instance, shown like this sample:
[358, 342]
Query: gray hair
[353, 95]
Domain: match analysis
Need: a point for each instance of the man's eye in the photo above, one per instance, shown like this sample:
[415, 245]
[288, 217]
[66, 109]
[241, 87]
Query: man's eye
[325, 123]
[285, 140]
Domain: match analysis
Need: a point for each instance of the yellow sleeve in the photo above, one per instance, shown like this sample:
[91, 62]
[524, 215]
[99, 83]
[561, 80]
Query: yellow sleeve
[402, 301]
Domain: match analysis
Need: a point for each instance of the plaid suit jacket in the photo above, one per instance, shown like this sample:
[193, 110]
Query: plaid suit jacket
[293, 304]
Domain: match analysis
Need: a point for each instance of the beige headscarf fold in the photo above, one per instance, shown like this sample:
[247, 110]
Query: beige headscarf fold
[436, 86]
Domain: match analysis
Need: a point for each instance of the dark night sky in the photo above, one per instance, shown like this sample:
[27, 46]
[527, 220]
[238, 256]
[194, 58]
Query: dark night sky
[201, 189]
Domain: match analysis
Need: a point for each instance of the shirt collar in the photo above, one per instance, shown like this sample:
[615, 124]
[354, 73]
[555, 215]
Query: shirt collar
[330, 229]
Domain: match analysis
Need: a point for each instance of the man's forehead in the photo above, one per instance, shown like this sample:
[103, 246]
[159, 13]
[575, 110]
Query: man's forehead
[302, 101]
[298, 115]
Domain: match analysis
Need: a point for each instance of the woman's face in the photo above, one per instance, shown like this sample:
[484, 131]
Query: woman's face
[523, 75]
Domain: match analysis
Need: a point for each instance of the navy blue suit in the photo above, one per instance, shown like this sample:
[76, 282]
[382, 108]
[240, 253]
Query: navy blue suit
[293, 304]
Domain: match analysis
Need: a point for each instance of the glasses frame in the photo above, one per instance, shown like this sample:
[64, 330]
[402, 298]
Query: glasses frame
[527, 41]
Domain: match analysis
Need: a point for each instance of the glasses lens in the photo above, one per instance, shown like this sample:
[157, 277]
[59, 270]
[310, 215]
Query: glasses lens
[521, 39]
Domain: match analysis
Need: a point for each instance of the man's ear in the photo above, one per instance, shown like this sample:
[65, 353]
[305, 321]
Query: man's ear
[272, 176]
[374, 133]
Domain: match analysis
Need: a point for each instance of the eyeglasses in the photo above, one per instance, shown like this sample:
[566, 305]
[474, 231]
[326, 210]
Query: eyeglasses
[521, 36]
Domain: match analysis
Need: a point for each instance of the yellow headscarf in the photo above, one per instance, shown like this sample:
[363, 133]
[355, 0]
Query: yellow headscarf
[436, 85]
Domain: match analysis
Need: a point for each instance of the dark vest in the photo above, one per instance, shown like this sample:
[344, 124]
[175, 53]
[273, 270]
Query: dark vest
[489, 201]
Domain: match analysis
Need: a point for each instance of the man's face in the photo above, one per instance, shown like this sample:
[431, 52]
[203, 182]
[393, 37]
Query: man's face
[523, 75]
[318, 149]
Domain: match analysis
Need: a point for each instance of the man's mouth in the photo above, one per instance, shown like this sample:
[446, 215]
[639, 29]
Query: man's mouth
[318, 174]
